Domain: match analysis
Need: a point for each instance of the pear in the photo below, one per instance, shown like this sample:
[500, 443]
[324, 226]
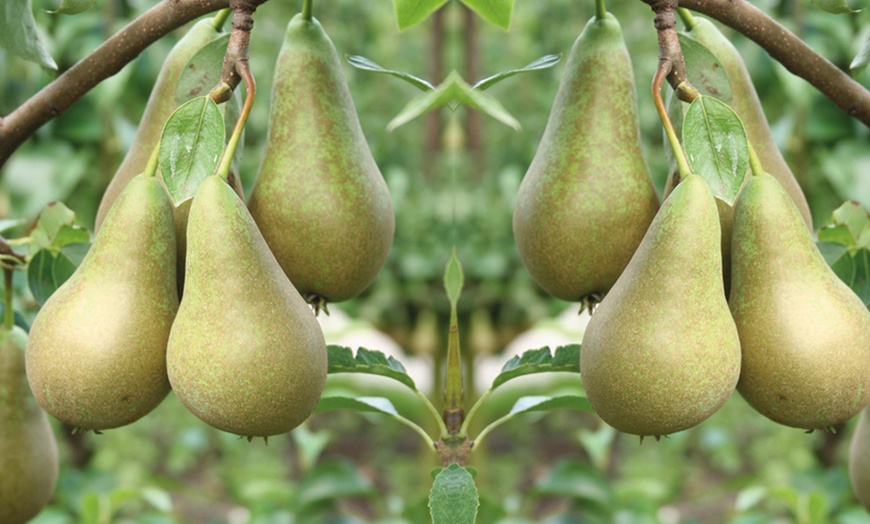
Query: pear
[859, 460]
[97, 352]
[587, 198]
[246, 354]
[805, 335]
[319, 199]
[28, 451]
[661, 352]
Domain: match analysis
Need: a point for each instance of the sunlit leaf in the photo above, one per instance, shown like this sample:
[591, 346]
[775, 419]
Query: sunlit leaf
[454, 278]
[496, 12]
[565, 358]
[73, 7]
[361, 62]
[412, 12]
[544, 62]
[342, 360]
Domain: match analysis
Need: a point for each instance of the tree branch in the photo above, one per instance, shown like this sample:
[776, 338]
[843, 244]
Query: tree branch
[789, 50]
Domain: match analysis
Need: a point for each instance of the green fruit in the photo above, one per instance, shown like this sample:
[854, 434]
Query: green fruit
[805, 335]
[319, 199]
[587, 198]
[859, 460]
[28, 451]
[661, 352]
[97, 352]
[246, 354]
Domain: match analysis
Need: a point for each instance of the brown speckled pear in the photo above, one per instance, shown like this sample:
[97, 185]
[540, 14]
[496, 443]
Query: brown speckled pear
[661, 352]
[28, 451]
[587, 198]
[319, 199]
[97, 352]
[246, 354]
[859, 460]
[805, 335]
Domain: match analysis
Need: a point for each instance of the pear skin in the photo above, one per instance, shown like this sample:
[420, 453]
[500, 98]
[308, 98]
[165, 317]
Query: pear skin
[859, 460]
[661, 352]
[97, 352]
[805, 335]
[587, 198]
[319, 199]
[246, 354]
[28, 450]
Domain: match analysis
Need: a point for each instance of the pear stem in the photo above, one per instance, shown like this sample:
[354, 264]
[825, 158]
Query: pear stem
[754, 161]
[687, 18]
[432, 409]
[307, 10]
[600, 10]
[244, 70]
[221, 18]
[153, 162]
[659, 78]
[9, 314]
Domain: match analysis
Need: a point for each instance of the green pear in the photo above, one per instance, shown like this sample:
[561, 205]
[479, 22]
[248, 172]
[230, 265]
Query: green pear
[246, 354]
[661, 352]
[319, 199]
[805, 335]
[587, 198]
[859, 460]
[97, 352]
[28, 451]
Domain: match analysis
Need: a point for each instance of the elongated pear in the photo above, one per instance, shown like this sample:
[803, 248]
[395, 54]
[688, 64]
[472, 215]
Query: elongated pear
[587, 198]
[805, 335]
[246, 354]
[97, 352]
[319, 199]
[859, 460]
[661, 352]
[28, 451]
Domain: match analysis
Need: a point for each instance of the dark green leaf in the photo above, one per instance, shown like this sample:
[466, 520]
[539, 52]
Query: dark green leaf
[332, 480]
[861, 284]
[412, 12]
[566, 358]
[544, 62]
[453, 499]
[497, 12]
[363, 404]
[837, 256]
[40, 276]
[342, 360]
[454, 278]
[837, 234]
[577, 480]
[361, 62]
[19, 35]
[834, 6]
[203, 72]
[863, 57]
[74, 7]
[716, 146]
[704, 70]
[852, 215]
[190, 147]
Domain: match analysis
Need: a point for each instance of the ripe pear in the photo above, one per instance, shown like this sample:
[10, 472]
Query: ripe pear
[97, 352]
[587, 198]
[661, 352]
[805, 335]
[28, 451]
[319, 199]
[246, 354]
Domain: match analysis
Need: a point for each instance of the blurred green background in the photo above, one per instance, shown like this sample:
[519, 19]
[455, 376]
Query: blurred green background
[453, 178]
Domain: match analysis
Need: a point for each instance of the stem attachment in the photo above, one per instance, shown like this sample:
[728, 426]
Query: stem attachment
[244, 71]
[659, 79]
[687, 18]
[153, 162]
[221, 18]
[754, 161]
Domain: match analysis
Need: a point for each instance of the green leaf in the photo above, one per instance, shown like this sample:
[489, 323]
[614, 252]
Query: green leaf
[704, 69]
[496, 12]
[361, 62]
[577, 480]
[545, 403]
[412, 12]
[863, 57]
[861, 283]
[51, 220]
[158, 498]
[852, 215]
[453, 499]
[544, 62]
[331, 480]
[837, 256]
[716, 145]
[90, 509]
[566, 358]
[834, 6]
[73, 7]
[49, 269]
[453, 92]
[342, 360]
[454, 278]
[837, 234]
[190, 147]
[203, 71]
[11, 223]
[364, 404]
[18, 33]
[67, 235]
[817, 508]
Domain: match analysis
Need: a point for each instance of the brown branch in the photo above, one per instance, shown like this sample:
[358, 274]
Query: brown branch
[669, 48]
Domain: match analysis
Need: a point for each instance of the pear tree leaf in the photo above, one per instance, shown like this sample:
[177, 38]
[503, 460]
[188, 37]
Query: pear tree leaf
[412, 12]
[539, 403]
[496, 12]
[73, 7]
[861, 283]
[67, 235]
[863, 57]
[577, 480]
[454, 498]
[330, 480]
[837, 234]
[544, 62]
[364, 404]
[716, 146]
[11, 223]
[834, 6]
[361, 62]
[565, 358]
[342, 360]
[190, 147]
[453, 92]
[53, 219]
[19, 35]
[704, 69]
[454, 279]
[67, 260]
[838, 258]
[856, 219]
[48, 269]
[203, 70]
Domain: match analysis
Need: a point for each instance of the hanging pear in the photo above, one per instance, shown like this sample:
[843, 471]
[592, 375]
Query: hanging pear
[28, 451]
[319, 199]
[661, 352]
[97, 352]
[859, 460]
[805, 335]
[246, 354]
[587, 198]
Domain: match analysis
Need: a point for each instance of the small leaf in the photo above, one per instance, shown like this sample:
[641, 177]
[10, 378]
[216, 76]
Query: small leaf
[342, 360]
[361, 62]
[19, 35]
[566, 358]
[837, 234]
[40, 276]
[545, 403]
[544, 62]
[715, 143]
[364, 404]
[575, 479]
[863, 57]
[453, 499]
[852, 215]
[73, 7]
[835, 6]
[203, 70]
[454, 278]
[52, 219]
[704, 69]
[190, 147]
[412, 12]
[496, 12]
[70, 235]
